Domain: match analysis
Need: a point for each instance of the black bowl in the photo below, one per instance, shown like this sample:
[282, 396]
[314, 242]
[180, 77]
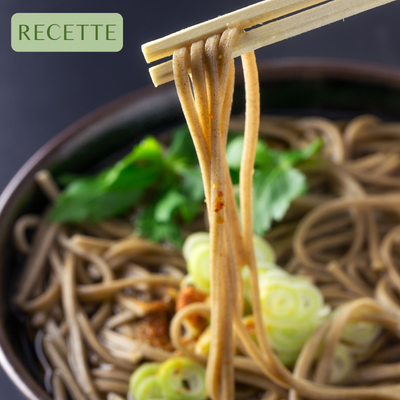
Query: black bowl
[291, 87]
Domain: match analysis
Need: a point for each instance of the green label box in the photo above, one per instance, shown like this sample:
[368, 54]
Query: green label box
[66, 32]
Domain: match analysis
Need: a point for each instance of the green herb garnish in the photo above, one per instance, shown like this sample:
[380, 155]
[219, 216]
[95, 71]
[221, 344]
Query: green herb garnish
[114, 191]
[276, 182]
[167, 191]
[165, 186]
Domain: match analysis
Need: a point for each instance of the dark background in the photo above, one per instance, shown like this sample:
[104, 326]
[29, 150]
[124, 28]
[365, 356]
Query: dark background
[42, 93]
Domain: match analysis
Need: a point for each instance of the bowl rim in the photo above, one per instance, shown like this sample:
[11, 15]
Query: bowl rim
[268, 70]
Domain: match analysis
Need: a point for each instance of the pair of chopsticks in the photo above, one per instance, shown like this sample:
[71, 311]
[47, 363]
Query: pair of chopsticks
[279, 19]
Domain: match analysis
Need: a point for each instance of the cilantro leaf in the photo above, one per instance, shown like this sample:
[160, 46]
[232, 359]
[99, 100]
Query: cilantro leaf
[293, 157]
[148, 150]
[184, 200]
[147, 226]
[192, 187]
[86, 199]
[192, 183]
[114, 191]
[182, 146]
[289, 157]
[167, 185]
[145, 162]
[66, 179]
[168, 205]
[276, 183]
[234, 151]
[274, 190]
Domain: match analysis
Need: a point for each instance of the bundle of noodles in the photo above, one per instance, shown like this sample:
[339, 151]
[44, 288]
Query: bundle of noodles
[230, 252]
[101, 300]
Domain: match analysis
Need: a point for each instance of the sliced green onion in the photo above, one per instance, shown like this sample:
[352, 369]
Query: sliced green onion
[273, 272]
[199, 266]
[183, 379]
[263, 266]
[310, 300]
[192, 241]
[287, 300]
[196, 251]
[289, 339]
[141, 373]
[360, 333]
[292, 306]
[279, 302]
[322, 314]
[288, 358]
[263, 250]
[342, 364]
[149, 389]
[264, 269]
[292, 309]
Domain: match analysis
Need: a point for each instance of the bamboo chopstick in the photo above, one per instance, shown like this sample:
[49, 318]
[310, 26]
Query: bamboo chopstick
[306, 19]
[244, 18]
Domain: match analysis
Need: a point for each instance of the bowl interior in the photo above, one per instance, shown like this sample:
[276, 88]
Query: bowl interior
[322, 88]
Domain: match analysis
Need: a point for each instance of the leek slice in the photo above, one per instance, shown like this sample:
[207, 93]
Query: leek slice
[267, 266]
[194, 240]
[183, 379]
[196, 251]
[342, 364]
[360, 333]
[288, 358]
[292, 306]
[322, 314]
[289, 339]
[288, 300]
[199, 266]
[149, 389]
[310, 300]
[265, 269]
[263, 250]
[279, 302]
[141, 373]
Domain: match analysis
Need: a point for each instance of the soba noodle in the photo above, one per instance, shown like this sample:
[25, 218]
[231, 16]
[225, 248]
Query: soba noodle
[96, 292]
